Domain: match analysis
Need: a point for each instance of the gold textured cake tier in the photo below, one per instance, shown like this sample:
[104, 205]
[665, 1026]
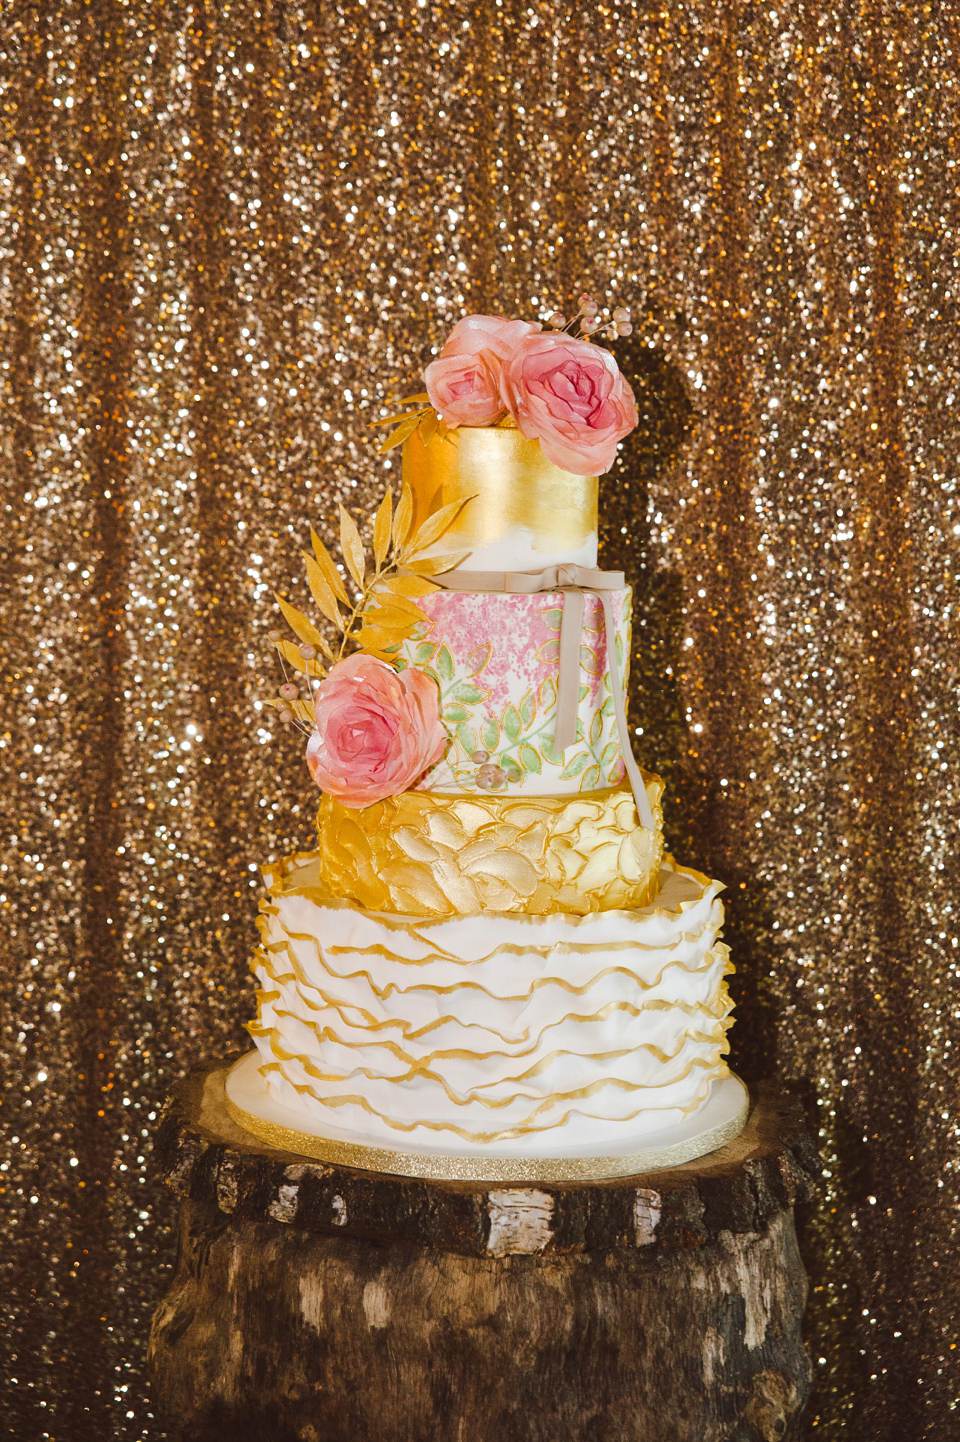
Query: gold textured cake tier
[433, 855]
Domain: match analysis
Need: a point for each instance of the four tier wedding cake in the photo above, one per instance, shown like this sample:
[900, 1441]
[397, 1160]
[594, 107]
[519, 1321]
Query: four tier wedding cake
[487, 967]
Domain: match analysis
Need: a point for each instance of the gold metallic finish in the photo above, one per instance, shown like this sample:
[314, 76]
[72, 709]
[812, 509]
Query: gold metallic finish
[431, 855]
[508, 484]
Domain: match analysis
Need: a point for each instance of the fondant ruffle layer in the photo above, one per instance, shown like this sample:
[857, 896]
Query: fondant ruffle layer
[555, 1030]
[428, 855]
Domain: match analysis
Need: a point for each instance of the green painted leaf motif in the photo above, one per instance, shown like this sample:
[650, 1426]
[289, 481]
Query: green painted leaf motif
[608, 709]
[547, 694]
[512, 724]
[420, 630]
[549, 653]
[424, 652]
[468, 694]
[550, 755]
[618, 648]
[552, 617]
[454, 713]
[528, 710]
[490, 734]
[590, 779]
[511, 768]
[610, 752]
[444, 664]
[479, 658]
[589, 661]
[467, 738]
[583, 692]
[596, 726]
[615, 773]
[529, 759]
[400, 664]
[576, 765]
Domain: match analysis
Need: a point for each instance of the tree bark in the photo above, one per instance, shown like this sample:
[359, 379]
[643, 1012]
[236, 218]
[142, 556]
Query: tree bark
[317, 1303]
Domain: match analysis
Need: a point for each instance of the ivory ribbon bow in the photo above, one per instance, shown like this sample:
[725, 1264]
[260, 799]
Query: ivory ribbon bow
[574, 582]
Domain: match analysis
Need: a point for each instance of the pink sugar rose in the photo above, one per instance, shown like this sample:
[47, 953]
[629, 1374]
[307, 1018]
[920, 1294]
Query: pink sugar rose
[570, 396]
[463, 383]
[376, 731]
[464, 389]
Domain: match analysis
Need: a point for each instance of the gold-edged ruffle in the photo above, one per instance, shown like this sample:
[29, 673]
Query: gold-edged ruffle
[433, 855]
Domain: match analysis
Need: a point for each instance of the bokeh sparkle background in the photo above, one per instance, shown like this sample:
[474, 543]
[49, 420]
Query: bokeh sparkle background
[227, 231]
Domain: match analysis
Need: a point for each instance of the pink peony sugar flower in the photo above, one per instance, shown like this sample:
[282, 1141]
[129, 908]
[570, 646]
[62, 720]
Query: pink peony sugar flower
[376, 731]
[463, 383]
[570, 396]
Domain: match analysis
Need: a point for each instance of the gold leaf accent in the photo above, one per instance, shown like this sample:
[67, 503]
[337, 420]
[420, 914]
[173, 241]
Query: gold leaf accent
[303, 627]
[429, 424]
[413, 400]
[403, 516]
[407, 584]
[377, 642]
[436, 565]
[382, 528]
[291, 655]
[394, 600]
[403, 432]
[435, 526]
[321, 592]
[351, 546]
[391, 420]
[325, 562]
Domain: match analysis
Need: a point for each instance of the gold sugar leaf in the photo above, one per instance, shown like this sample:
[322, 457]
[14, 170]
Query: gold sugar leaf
[382, 524]
[411, 400]
[436, 565]
[427, 428]
[401, 604]
[435, 526]
[404, 430]
[403, 516]
[392, 420]
[352, 546]
[291, 655]
[407, 584]
[377, 642]
[303, 627]
[321, 592]
[325, 562]
[393, 618]
[443, 430]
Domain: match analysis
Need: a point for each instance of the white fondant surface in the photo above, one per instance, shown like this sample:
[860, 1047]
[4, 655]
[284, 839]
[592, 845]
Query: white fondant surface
[720, 1118]
[527, 1034]
[521, 549]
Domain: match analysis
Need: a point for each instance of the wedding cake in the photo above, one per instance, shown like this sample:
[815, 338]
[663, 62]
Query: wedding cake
[487, 967]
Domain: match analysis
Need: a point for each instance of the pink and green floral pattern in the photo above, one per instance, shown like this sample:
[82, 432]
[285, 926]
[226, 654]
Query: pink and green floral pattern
[495, 660]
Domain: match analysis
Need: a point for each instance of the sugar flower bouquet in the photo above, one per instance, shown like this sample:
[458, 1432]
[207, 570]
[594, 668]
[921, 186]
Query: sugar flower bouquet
[556, 387]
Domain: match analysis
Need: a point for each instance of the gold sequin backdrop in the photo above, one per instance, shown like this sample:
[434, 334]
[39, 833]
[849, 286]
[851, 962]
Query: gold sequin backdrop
[226, 232]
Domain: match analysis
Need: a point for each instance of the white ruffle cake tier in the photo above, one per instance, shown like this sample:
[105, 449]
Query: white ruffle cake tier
[499, 1046]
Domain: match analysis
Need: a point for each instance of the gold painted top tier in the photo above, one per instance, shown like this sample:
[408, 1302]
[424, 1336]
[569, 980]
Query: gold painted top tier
[522, 513]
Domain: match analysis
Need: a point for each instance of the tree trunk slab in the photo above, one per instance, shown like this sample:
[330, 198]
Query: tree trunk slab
[319, 1303]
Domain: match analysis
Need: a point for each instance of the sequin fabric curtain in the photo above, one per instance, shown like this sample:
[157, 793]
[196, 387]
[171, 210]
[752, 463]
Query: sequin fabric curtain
[227, 232]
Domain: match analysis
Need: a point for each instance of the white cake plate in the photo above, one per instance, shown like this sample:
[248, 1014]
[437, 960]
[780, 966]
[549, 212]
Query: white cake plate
[721, 1118]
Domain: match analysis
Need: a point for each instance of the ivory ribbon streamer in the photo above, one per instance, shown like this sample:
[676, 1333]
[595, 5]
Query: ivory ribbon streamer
[574, 582]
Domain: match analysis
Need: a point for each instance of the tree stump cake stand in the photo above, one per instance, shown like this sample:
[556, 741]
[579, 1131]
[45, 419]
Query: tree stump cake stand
[319, 1303]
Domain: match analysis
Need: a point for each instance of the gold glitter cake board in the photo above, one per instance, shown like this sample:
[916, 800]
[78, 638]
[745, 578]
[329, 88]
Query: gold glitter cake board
[721, 1118]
